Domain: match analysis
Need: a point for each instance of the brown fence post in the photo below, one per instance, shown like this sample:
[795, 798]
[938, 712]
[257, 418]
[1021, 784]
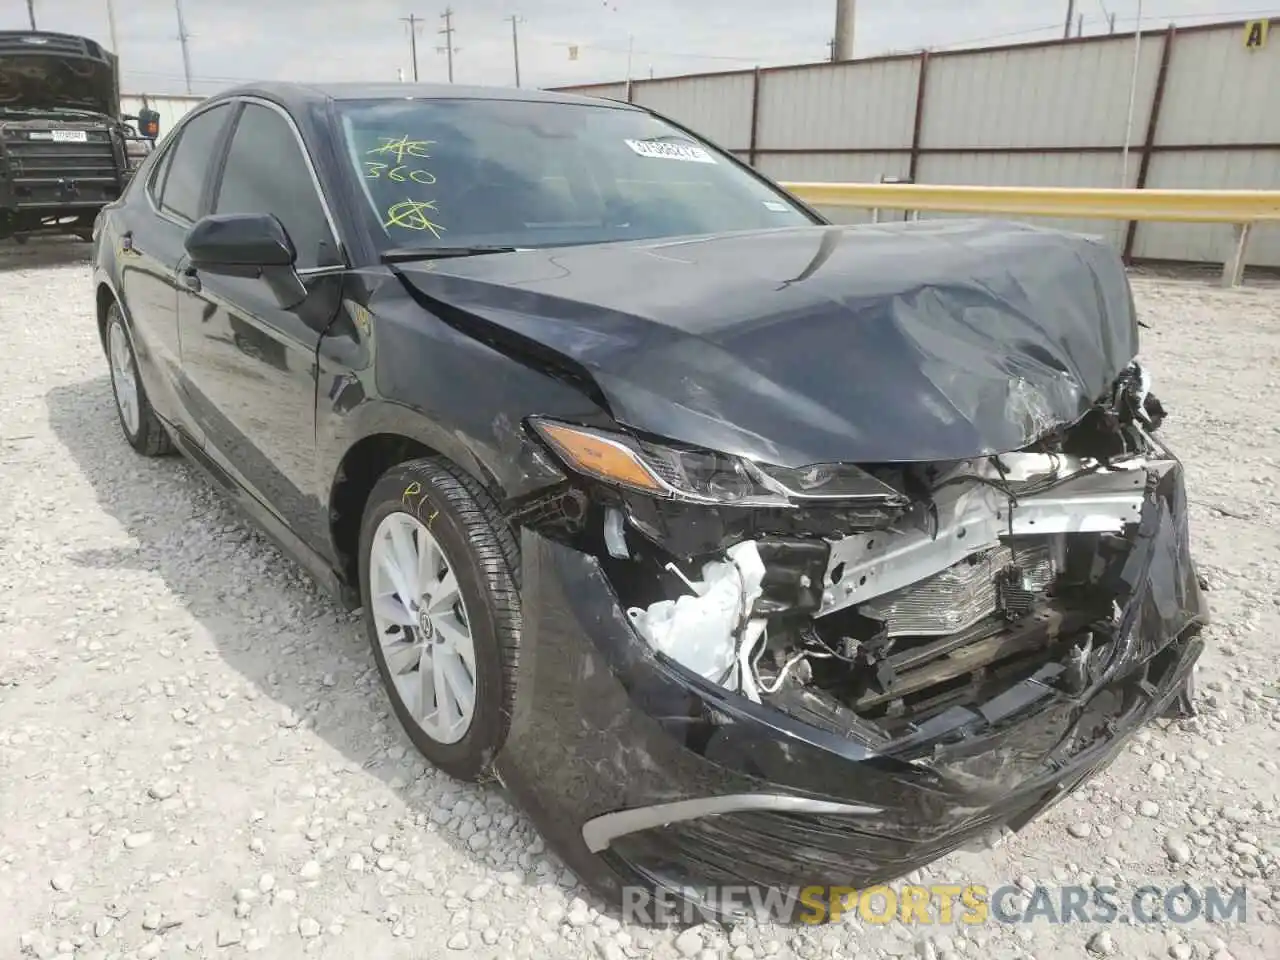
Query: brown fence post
[755, 117]
[1153, 119]
[919, 119]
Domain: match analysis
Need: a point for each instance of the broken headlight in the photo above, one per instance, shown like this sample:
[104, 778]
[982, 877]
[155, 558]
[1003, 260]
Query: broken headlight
[704, 476]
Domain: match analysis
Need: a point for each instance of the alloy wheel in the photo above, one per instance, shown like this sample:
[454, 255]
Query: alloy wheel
[124, 378]
[423, 627]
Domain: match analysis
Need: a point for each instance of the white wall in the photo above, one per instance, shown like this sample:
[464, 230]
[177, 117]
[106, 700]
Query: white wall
[867, 105]
[718, 107]
[1031, 115]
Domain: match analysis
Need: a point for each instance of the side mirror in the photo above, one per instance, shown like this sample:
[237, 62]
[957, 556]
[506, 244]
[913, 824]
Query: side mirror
[239, 240]
[149, 123]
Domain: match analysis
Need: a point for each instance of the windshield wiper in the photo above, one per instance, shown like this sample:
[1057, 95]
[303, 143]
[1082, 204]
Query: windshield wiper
[405, 254]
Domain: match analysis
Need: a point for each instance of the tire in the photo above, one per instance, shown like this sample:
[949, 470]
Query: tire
[138, 421]
[462, 520]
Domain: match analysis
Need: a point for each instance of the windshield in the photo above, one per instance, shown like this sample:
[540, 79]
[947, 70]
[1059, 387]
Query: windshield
[462, 173]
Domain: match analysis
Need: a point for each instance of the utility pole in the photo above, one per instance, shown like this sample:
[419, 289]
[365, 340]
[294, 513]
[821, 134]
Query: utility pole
[1080, 26]
[413, 22]
[1071, 15]
[515, 45]
[111, 20]
[31, 12]
[183, 36]
[447, 32]
[842, 45]
[1111, 17]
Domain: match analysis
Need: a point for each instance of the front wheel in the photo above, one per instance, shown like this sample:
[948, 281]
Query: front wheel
[139, 423]
[442, 611]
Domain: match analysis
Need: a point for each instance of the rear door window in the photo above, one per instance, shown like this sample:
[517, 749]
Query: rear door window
[193, 154]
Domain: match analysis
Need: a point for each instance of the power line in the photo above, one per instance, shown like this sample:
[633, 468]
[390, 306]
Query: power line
[447, 32]
[413, 21]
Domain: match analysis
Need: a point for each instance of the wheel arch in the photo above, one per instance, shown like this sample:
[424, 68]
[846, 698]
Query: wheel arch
[104, 297]
[358, 471]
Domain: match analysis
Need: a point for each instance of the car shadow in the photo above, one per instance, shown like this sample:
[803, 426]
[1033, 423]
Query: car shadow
[269, 621]
[44, 252]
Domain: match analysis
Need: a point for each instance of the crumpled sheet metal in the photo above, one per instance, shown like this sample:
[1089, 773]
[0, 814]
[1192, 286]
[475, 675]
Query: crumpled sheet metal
[603, 724]
[934, 340]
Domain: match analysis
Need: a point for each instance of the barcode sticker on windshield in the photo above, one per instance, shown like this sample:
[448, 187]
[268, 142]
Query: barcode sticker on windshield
[662, 150]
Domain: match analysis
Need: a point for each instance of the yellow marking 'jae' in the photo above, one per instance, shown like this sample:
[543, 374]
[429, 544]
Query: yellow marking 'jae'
[401, 147]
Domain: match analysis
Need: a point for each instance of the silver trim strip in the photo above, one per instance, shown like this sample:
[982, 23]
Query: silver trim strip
[600, 831]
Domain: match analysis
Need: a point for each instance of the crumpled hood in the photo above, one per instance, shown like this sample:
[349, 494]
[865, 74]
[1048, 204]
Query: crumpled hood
[43, 70]
[935, 340]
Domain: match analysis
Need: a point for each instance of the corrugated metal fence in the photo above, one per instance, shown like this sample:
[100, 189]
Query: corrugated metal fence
[1037, 114]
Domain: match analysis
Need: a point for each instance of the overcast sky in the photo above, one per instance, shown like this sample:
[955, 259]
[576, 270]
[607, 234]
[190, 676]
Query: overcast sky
[364, 39]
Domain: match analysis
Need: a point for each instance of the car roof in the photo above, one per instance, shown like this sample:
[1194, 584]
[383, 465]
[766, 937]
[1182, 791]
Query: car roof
[298, 95]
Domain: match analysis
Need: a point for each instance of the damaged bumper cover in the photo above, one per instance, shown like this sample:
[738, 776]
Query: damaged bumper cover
[640, 771]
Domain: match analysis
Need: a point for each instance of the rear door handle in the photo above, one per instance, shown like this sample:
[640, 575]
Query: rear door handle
[191, 279]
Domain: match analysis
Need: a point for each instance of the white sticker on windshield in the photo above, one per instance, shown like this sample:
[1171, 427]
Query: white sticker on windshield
[663, 150]
[775, 206]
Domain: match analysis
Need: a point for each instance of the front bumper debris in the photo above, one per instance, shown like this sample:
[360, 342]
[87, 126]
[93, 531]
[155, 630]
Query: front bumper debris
[640, 772]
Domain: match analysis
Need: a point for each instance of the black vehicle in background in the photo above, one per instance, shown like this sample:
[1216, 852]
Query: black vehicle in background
[65, 150]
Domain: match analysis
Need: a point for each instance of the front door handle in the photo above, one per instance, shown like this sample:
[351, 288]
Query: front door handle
[191, 279]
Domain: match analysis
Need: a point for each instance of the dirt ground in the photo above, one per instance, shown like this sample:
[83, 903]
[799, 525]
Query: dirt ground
[197, 760]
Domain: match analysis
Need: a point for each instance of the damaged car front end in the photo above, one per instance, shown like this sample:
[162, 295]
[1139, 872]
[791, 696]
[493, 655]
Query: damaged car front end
[939, 657]
[743, 548]
[739, 672]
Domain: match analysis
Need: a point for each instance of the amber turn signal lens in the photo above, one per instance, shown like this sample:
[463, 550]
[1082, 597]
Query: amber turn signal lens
[600, 457]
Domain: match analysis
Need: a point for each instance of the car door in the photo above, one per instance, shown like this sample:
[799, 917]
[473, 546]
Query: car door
[250, 361]
[150, 247]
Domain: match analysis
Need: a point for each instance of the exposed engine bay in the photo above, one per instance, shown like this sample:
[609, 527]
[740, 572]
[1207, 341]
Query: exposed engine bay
[954, 579]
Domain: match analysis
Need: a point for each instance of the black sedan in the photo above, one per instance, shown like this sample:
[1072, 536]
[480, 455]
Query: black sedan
[743, 548]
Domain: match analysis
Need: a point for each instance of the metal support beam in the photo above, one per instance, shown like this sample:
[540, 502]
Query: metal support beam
[755, 117]
[918, 126]
[1233, 269]
[1153, 121]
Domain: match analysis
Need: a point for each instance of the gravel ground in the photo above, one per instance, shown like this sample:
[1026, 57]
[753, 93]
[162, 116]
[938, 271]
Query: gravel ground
[196, 758]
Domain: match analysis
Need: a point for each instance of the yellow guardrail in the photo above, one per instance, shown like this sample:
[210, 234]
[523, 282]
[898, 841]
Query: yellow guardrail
[1241, 208]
